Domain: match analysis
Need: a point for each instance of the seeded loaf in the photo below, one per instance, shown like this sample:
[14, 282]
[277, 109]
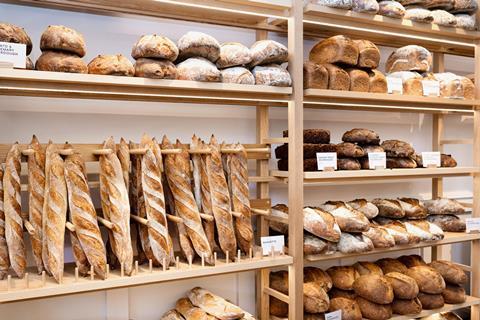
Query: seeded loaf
[315, 76]
[374, 311]
[238, 75]
[309, 150]
[60, 62]
[366, 6]
[336, 49]
[418, 14]
[338, 79]
[113, 65]
[392, 9]
[198, 69]
[272, 75]
[155, 47]
[407, 307]
[268, 52]
[63, 39]
[15, 34]
[155, 69]
[233, 54]
[409, 58]
[198, 44]
[359, 80]
[431, 301]
[350, 308]
[377, 82]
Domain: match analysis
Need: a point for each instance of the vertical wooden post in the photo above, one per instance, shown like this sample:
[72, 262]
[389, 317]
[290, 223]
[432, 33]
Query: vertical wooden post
[295, 163]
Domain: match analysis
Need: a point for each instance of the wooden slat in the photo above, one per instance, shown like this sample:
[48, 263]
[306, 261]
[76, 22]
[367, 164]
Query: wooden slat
[277, 294]
[275, 140]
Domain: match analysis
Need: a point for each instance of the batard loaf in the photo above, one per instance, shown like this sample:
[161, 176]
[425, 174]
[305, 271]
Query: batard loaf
[412, 260]
[418, 14]
[404, 287]
[379, 237]
[155, 47]
[389, 208]
[60, 62]
[185, 307]
[409, 58]
[364, 206]
[336, 49]
[233, 54]
[413, 208]
[454, 294]
[392, 9]
[374, 288]
[366, 268]
[436, 233]
[238, 75]
[312, 274]
[272, 75]
[343, 277]
[431, 301]
[15, 34]
[321, 224]
[267, 52]
[443, 206]
[4, 259]
[63, 39]
[444, 18]
[391, 265]
[451, 272]
[115, 205]
[428, 279]
[214, 305]
[311, 244]
[350, 308]
[315, 76]
[347, 218]
[113, 65]
[374, 311]
[155, 69]
[407, 307]
[448, 223]
[198, 69]
[398, 231]
[198, 44]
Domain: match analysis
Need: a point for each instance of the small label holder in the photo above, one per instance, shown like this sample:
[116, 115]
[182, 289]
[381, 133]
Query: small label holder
[326, 161]
[473, 225]
[377, 160]
[335, 315]
[394, 85]
[431, 88]
[275, 244]
[13, 55]
[431, 159]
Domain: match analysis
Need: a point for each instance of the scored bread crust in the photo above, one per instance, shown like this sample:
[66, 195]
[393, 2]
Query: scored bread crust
[214, 305]
[4, 260]
[13, 211]
[190, 312]
[84, 217]
[123, 154]
[36, 197]
[79, 255]
[115, 205]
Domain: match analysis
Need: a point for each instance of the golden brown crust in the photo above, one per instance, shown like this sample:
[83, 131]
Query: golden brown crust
[154, 46]
[155, 69]
[343, 277]
[60, 62]
[451, 272]
[369, 55]
[214, 305]
[4, 260]
[113, 65]
[349, 307]
[79, 256]
[123, 154]
[404, 287]
[374, 287]
[337, 49]
[374, 311]
[404, 307]
[428, 279]
[189, 311]
[359, 80]
[63, 39]
[15, 34]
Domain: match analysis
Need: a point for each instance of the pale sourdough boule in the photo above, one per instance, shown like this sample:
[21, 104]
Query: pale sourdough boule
[155, 69]
[198, 69]
[268, 52]
[198, 44]
[156, 47]
[233, 54]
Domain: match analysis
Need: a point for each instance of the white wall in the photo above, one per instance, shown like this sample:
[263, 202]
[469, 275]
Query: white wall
[91, 121]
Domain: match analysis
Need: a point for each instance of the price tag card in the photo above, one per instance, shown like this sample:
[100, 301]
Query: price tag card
[377, 160]
[335, 315]
[431, 88]
[395, 85]
[275, 243]
[430, 159]
[326, 160]
[473, 225]
[14, 53]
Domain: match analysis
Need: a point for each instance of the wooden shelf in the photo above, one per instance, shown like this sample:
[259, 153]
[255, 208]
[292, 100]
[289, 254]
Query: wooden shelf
[450, 237]
[36, 290]
[89, 86]
[349, 100]
[324, 21]
[239, 13]
[386, 174]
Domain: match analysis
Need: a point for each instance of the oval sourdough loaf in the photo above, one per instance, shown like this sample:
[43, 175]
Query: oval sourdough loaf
[312, 245]
[343, 277]
[154, 46]
[198, 69]
[367, 6]
[374, 311]
[349, 150]
[378, 82]
[347, 218]
[312, 274]
[374, 288]
[60, 62]
[238, 75]
[389, 208]
[321, 224]
[407, 307]
[392, 9]
[364, 206]
[369, 55]
[397, 148]
[380, 237]
[338, 79]
[465, 6]
[313, 135]
[361, 136]
[63, 39]
[155, 69]
[454, 294]
[444, 18]
[418, 14]
[391, 265]
[443, 206]
[272, 75]
[350, 308]
[15, 34]
[451, 272]
[267, 52]
[466, 21]
[315, 76]
[114, 65]
[233, 54]
[428, 279]
[348, 164]
[341, 4]
[448, 223]
[413, 208]
[315, 298]
[336, 49]
[431, 301]
[366, 268]
[354, 243]
[409, 58]
[404, 287]
[359, 80]
[412, 260]
[198, 44]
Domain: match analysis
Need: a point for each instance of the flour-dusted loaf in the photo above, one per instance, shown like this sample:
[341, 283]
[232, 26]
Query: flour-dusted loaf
[374, 288]
[428, 279]
[359, 80]
[389, 208]
[115, 205]
[367, 6]
[272, 75]
[349, 150]
[198, 44]
[404, 287]
[341, 4]
[233, 54]
[350, 309]
[347, 218]
[4, 259]
[321, 224]
[268, 52]
[338, 79]
[407, 306]
[439, 4]
[343, 277]
[444, 18]
[413, 208]
[336, 49]
[309, 150]
[354, 243]
[369, 55]
[315, 76]
[214, 305]
[378, 82]
[155, 69]
[431, 301]
[361, 136]
[198, 69]
[113, 65]
[443, 206]
[409, 58]
[60, 62]
[397, 148]
[374, 311]
[391, 265]
[466, 21]
[450, 271]
[399, 232]
[379, 237]
[465, 6]
[13, 211]
[448, 223]
[156, 47]
[418, 14]
[185, 307]
[435, 231]
[312, 245]
[315, 136]
[364, 206]
[15, 34]
[238, 75]
[411, 81]
[64, 39]
[392, 9]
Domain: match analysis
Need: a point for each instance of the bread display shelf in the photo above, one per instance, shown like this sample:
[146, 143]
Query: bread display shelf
[72, 285]
[324, 21]
[450, 237]
[89, 86]
[349, 100]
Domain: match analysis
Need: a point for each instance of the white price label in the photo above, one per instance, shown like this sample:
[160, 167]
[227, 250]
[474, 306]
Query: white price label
[335, 315]
[395, 85]
[326, 160]
[431, 159]
[431, 88]
[377, 160]
[275, 243]
[14, 53]
[473, 224]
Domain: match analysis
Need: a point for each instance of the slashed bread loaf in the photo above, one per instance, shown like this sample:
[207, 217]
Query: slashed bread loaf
[155, 69]
[398, 148]
[272, 75]
[267, 52]
[198, 69]
[374, 288]
[409, 58]
[392, 9]
[113, 65]
[63, 39]
[431, 301]
[404, 287]
[350, 308]
[336, 49]
[321, 224]
[238, 75]
[379, 237]
[60, 62]
[418, 14]
[214, 305]
[233, 54]
[198, 44]
[439, 4]
[354, 243]
[428, 279]
[349, 150]
[15, 34]
[367, 6]
[156, 47]
[347, 218]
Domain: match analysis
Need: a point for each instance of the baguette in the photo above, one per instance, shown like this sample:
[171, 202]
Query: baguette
[4, 260]
[12, 207]
[237, 174]
[79, 256]
[48, 151]
[84, 217]
[214, 305]
[152, 167]
[115, 205]
[36, 193]
[190, 312]
[177, 169]
[123, 154]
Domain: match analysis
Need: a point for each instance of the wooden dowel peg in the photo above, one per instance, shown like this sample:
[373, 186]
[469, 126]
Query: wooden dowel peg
[139, 151]
[207, 217]
[122, 270]
[260, 211]
[203, 259]
[250, 253]
[107, 274]
[174, 218]
[177, 262]
[76, 274]
[239, 255]
[92, 273]
[215, 258]
[227, 258]
[172, 151]
[29, 227]
[102, 152]
[230, 150]
[70, 226]
[136, 267]
[164, 264]
[105, 222]
[199, 151]
[66, 152]
[28, 152]
[190, 261]
[27, 280]
[140, 220]
[9, 282]
[150, 265]
[44, 278]
[236, 214]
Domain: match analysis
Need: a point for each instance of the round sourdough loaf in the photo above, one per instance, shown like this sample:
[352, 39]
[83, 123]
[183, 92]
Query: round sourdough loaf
[272, 75]
[374, 311]
[343, 277]
[113, 65]
[198, 69]
[312, 274]
[268, 52]
[401, 163]
[155, 69]
[337, 49]
[238, 75]
[15, 34]
[315, 76]
[409, 58]
[233, 54]
[404, 287]
[60, 62]
[428, 279]
[63, 39]
[366, 268]
[349, 150]
[315, 299]
[348, 164]
[361, 136]
[466, 21]
[407, 307]
[154, 46]
[454, 294]
[374, 288]
[398, 148]
[392, 9]
[451, 272]
[444, 18]
[350, 309]
[431, 301]
[198, 44]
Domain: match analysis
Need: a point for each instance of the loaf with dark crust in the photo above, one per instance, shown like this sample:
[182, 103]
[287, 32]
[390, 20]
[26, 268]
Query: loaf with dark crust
[309, 150]
[155, 69]
[361, 136]
[15, 34]
[315, 76]
[359, 80]
[63, 39]
[314, 136]
[60, 62]
[113, 65]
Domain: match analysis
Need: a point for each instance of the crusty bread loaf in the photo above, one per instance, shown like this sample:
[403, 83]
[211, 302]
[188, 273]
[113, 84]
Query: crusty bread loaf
[315, 136]
[238, 75]
[418, 14]
[315, 76]
[311, 245]
[368, 54]
[172, 315]
[155, 69]
[343, 277]
[29, 64]
[366, 268]
[374, 288]
[407, 307]
[391, 265]
[347, 218]
[409, 58]
[198, 69]
[454, 294]
[466, 21]
[350, 308]
[185, 307]
[123, 154]
[428, 279]
[309, 150]
[4, 260]
[321, 224]
[398, 148]
[341, 4]
[313, 274]
[79, 256]
[338, 79]
[380, 237]
[408, 163]
[359, 80]
[214, 305]
[156, 47]
[413, 208]
[404, 287]
[468, 88]
[439, 4]
[349, 150]
[451, 272]
[443, 206]
[63, 39]
[448, 223]
[268, 52]
[13, 211]
[374, 311]
[233, 54]
[348, 164]
[364, 206]
[272, 75]
[113, 65]
[412, 260]
[337, 49]
[339, 293]
[115, 205]
[361, 136]
[392, 9]
[354, 243]
[399, 232]
[444, 18]
[431, 301]
[60, 62]
[367, 6]
[464, 6]
[389, 208]
[15, 34]
[378, 82]
[198, 44]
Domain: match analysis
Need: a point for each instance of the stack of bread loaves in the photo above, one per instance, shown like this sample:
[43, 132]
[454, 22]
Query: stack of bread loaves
[62, 51]
[365, 140]
[340, 63]
[154, 57]
[267, 57]
[15, 34]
